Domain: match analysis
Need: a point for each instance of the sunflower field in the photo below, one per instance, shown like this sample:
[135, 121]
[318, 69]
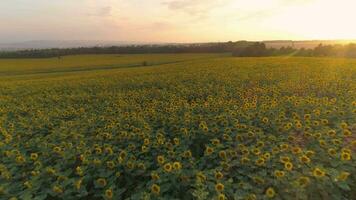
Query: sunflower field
[208, 127]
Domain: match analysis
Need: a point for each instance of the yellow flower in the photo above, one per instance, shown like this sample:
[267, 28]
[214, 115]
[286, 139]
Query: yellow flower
[219, 187]
[267, 156]
[303, 181]
[270, 193]
[347, 133]
[222, 154]
[304, 159]
[221, 197]
[332, 152]
[345, 156]
[57, 189]
[34, 156]
[265, 120]
[307, 116]
[101, 182]
[324, 121]
[20, 160]
[209, 150]
[200, 176]
[279, 173]
[109, 150]
[296, 150]
[318, 173]
[256, 151]
[188, 154]
[176, 141]
[260, 162]
[78, 184]
[57, 149]
[155, 189]
[309, 153]
[219, 175]
[284, 159]
[343, 176]
[167, 167]
[96, 162]
[146, 141]
[51, 171]
[154, 176]
[215, 141]
[177, 165]
[79, 171]
[244, 160]
[331, 133]
[288, 166]
[108, 193]
[110, 164]
[160, 159]
[123, 155]
[322, 143]
[27, 184]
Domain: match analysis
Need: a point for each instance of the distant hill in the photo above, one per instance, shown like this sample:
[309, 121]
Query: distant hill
[62, 44]
[307, 44]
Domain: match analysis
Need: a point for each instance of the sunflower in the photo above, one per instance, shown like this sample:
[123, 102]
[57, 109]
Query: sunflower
[244, 160]
[221, 196]
[27, 184]
[219, 175]
[288, 166]
[101, 182]
[78, 184]
[187, 154]
[160, 159]
[284, 159]
[303, 181]
[57, 189]
[209, 150]
[79, 171]
[109, 193]
[200, 176]
[343, 176]
[167, 167]
[222, 154]
[260, 162]
[177, 165]
[347, 133]
[110, 164]
[304, 159]
[279, 174]
[154, 176]
[270, 193]
[318, 173]
[345, 156]
[219, 187]
[155, 189]
[34, 156]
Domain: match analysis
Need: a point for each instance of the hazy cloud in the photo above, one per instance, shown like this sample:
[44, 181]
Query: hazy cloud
[102, 12]
[194, 7]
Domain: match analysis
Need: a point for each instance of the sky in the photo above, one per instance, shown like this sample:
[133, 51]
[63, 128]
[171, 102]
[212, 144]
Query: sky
[176, 20]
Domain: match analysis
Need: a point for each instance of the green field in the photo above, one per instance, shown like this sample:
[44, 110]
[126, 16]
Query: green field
[186, 126]
[91, 62]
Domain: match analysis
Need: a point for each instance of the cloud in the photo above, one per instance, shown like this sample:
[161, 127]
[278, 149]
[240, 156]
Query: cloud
[102, 12]
[256, 15]
[194, 7]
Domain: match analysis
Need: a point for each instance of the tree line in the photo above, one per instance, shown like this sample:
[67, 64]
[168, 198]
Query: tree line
[239, 49]
[259, 49]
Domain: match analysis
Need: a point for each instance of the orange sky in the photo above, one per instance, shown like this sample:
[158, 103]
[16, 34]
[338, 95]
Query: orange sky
[177, 20]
